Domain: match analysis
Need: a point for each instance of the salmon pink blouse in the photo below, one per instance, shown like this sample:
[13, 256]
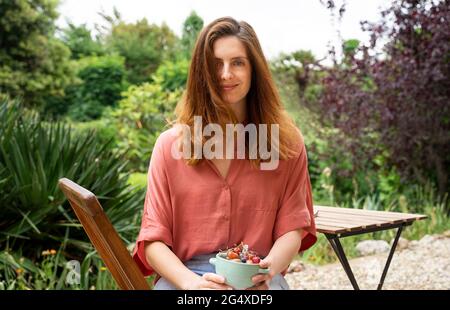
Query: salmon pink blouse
[194, 210]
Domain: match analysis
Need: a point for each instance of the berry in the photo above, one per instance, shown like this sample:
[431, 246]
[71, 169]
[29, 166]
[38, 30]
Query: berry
[241, 253]
[232, 255]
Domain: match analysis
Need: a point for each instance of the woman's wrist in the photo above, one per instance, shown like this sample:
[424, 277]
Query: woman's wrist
[187, 281]
[284, 251]
[277, 264]
[168, 265]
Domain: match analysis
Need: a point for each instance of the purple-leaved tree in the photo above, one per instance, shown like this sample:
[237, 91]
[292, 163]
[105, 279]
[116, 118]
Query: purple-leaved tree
[396, 99]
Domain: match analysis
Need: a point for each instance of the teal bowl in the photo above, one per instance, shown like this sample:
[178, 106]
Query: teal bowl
[237, 275]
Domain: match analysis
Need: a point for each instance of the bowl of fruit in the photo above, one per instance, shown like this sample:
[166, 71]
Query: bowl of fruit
[238, 265]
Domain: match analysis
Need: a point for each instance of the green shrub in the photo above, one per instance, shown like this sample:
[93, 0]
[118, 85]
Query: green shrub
[172, 75]
[105, 129]
[34, 155]
[102, 79]
[50, 271]
[138, 179]
[140, 118]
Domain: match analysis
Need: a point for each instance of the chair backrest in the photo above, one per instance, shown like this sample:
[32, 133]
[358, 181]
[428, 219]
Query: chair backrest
[103, 236]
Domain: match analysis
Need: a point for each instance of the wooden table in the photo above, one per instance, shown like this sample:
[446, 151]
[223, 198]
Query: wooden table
[338, 223]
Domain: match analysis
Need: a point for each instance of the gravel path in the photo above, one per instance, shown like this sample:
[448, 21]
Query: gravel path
[423, 264]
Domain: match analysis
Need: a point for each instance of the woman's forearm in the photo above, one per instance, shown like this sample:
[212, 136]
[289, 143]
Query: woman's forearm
[168, 265]
[284, 250]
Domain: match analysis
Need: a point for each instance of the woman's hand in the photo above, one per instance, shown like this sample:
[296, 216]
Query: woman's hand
[209, 281]
[262, 280]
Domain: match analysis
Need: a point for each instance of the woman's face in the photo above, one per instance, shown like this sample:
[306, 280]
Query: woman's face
[233, 68]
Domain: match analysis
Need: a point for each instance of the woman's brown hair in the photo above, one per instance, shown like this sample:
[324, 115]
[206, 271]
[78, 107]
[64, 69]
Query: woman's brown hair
[202, 96]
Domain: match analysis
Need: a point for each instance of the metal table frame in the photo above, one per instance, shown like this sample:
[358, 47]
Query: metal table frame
[337, 247]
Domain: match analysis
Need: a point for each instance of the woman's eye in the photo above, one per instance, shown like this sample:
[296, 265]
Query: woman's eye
[238, 63]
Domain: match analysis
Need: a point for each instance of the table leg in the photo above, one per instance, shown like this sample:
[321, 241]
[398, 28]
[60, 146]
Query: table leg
[337, 247]
[391, 253]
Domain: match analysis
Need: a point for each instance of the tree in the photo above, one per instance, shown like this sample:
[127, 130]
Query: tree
[191, 28]
[101, 81]
[302, 67]
[144, 46]
[79, 40]
[172, 75]
[397, 102]
[33, 63]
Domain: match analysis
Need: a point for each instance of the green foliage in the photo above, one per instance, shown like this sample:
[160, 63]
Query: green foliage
[332, 171]
[172, 75]
[33, 63]
[101, 81]
[318, 138]
[104, 129]
[293, 62]
[144, 46]
[299, 76]
[138, 179]
[34, 155]
[15, 272]
[50, 271]
[140, 118]
[396, 101]
[191, 29]
[79, 40]
[349, 47]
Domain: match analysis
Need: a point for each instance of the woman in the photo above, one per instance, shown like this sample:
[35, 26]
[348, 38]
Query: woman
[196, 206]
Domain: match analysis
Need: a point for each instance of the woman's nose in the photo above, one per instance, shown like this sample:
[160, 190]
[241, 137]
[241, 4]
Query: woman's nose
[226, 73]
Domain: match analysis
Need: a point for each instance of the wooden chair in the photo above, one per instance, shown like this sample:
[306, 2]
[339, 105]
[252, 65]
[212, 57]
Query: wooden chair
[103, 236]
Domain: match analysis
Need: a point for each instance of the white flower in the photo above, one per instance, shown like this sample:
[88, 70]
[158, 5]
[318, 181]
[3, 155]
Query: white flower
[327, 172]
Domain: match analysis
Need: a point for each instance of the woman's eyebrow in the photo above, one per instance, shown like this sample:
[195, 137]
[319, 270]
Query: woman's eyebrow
[238, 57]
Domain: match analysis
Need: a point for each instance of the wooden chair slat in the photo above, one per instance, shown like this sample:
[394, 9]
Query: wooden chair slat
[103, 236]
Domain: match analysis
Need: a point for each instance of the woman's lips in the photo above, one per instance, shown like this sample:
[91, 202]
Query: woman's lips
[228, 88]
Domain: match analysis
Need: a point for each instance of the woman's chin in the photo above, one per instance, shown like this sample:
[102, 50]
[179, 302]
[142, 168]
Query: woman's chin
[230, 101]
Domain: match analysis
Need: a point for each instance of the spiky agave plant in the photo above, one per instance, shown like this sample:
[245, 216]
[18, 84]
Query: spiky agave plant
[34, 215]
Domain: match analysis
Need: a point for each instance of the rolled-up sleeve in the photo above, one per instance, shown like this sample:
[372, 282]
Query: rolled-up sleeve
[157, 216]
[296, 208]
